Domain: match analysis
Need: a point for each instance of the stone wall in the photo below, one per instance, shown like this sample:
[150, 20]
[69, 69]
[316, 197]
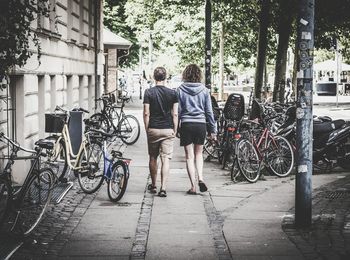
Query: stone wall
[65, 75]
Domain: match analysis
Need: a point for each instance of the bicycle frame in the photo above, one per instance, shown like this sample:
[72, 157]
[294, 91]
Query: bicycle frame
[7, 172]
[261, 144]
[69, 150]
[66, 138]
[108, 163]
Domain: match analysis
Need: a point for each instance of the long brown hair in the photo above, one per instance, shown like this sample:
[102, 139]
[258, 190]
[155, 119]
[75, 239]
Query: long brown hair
[192, 73]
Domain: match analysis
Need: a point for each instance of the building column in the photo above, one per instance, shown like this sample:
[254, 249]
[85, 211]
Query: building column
[75, 87]
[43, 86]
[91, 93]
[112, 81]
[53, 91]
[69, 91]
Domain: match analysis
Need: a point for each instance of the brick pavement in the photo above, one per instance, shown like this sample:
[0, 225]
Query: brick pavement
[55, 229]
[329, 235]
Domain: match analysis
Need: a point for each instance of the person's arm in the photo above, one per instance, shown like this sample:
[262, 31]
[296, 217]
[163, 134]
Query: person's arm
[146, 113]
[175, 116]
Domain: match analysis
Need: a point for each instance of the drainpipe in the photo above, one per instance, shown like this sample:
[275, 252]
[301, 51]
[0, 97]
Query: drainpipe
[97, 47]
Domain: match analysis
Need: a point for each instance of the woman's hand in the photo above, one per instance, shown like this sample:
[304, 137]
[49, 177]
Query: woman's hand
[212, 136]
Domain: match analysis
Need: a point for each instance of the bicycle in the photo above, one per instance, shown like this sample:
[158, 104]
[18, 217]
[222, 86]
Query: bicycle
[87, 162]
[126, 127]
[21, 209]
[116, 168]
[260, 147]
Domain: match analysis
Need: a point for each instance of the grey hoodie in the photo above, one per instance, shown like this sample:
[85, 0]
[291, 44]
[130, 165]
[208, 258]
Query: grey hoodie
[195, 105]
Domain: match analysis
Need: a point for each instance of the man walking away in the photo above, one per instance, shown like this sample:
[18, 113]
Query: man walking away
[160, 119]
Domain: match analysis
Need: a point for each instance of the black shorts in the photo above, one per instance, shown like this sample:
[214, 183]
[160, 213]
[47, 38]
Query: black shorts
[192, 133]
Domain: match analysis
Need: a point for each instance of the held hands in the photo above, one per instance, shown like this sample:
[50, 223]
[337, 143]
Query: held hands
[212, 136]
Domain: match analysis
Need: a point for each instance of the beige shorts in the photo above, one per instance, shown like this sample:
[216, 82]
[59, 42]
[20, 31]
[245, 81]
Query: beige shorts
[160, 142]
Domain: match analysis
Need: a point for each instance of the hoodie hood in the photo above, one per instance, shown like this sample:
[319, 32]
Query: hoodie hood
[192, 88]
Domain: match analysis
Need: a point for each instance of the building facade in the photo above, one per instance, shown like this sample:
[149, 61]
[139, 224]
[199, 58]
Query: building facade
[69, 74]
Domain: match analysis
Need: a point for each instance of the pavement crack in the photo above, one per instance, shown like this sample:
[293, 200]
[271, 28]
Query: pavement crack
[216, 223]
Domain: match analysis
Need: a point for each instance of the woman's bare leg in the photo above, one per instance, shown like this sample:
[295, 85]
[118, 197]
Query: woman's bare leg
[198, 158]
[191, 169]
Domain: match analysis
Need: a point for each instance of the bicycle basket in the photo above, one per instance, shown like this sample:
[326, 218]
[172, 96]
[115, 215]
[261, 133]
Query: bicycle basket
[54, 122]
[234, 107]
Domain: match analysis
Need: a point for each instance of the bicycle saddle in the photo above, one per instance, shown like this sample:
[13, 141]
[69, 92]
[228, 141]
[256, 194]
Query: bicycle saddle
[45, 144]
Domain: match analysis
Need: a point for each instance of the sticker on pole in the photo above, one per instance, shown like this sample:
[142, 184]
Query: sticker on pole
[303, 22]
[306, 35]
[300, 113]
[302, 168]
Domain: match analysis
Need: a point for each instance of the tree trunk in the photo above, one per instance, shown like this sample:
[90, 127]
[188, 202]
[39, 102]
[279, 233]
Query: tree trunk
[284, 31]
[221, 61]
[262, 47]
[295, 71]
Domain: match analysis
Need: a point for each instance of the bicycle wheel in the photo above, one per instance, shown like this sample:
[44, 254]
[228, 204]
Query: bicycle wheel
[280, 156]
[5, 198]
[129, 129]
[58, 159]
[35, 199]
[248, 160]
[118, 182]
[102, 121]
[211, 148]
[90, 167]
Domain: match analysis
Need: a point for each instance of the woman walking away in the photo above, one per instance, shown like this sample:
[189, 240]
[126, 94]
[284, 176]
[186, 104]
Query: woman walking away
[195, 111]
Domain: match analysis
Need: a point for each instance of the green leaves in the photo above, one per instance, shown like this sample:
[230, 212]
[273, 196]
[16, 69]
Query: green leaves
[16, 17]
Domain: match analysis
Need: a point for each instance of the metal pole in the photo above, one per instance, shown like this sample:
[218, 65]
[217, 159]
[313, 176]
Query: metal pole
[338, 59]
[208, 44]
[141, 70]
[221, 61]
[303, 189]
[97, 49]
[150, 51]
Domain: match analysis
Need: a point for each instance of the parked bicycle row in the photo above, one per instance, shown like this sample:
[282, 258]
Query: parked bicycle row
[265, 138]
[67, 150]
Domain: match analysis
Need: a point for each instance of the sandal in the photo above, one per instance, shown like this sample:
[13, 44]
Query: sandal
[162, 193]
[152, 189]
[202, 186]
[191, 192]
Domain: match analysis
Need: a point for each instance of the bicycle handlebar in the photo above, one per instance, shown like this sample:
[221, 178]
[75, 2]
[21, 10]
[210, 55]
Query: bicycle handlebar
[2, 135]
[66, 111]
[101, 132]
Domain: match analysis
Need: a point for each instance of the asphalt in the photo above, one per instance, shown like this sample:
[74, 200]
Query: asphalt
[230, 221]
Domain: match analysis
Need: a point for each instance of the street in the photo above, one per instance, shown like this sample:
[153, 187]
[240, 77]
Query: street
[230, 221]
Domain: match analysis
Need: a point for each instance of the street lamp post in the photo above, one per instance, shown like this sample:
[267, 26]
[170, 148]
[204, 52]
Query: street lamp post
[208, 44]
[305, 43]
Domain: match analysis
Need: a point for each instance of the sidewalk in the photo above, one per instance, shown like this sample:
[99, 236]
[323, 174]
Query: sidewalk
[231, 221]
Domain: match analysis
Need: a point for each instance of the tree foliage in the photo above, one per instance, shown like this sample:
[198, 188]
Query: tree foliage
[114, 20]
[16, 17]
[179, 25]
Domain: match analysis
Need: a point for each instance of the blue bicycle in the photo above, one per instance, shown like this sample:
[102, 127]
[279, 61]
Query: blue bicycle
[115, 168]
